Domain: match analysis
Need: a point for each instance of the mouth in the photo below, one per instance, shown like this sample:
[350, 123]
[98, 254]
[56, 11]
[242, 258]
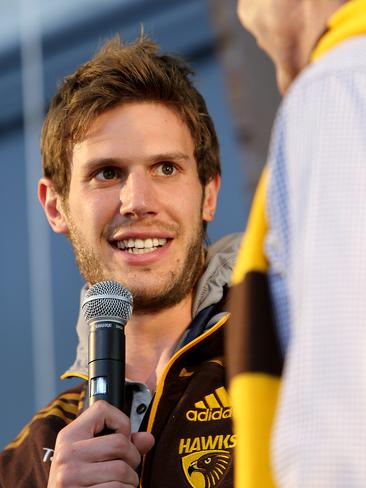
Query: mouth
[140, 246]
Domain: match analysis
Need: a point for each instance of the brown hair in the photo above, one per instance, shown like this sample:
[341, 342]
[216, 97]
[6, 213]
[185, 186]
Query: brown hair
[121, 73]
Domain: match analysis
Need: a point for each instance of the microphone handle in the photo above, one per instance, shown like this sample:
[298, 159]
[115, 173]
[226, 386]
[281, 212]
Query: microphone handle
[106, 363]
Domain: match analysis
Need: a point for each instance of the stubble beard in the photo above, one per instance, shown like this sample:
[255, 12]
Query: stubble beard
[180, 283]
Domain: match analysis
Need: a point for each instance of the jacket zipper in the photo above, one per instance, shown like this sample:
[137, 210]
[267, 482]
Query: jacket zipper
[160, 387]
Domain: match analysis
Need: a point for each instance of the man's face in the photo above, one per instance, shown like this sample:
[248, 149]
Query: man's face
[135, 206]
[277, 26]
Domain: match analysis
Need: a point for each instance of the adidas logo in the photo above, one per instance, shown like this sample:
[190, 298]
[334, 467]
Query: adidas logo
[215, 406]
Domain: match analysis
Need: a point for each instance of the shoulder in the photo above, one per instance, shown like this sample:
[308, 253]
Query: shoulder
[324, 111]
[58, 413]
[341, 70]
[26, 459]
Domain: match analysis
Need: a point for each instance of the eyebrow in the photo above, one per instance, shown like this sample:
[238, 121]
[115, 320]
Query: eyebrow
[168, 156]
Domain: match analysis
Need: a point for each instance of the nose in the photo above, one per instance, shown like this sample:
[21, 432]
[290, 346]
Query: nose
[138, 197]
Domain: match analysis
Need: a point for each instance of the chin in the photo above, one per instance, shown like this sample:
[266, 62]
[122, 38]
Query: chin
[284, 79]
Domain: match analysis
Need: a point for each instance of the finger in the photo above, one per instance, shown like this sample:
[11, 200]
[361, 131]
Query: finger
[106, 448]
[91, 422]
[114, 484]
[107, 472]
[116, 473]
[143, 441]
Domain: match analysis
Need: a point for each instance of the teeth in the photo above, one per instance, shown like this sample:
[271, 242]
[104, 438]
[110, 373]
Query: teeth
[139, 251]
[141, 246]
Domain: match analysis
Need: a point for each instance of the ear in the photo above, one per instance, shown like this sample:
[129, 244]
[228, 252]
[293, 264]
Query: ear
[211, 192]
[52, 205]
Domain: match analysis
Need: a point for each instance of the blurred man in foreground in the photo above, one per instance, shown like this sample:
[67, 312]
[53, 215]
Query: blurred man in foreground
[309, 220]
[131, 176]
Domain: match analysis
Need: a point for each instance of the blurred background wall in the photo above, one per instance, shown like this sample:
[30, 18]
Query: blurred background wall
[41, 41]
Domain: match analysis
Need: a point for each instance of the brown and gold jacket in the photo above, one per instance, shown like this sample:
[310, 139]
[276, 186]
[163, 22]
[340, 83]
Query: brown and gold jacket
[190, 413]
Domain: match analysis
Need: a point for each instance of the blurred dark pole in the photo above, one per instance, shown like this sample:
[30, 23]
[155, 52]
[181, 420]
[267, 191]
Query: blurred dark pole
[40, 281]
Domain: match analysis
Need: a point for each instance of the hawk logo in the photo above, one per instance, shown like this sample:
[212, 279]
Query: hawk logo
[215, 406]
[206, 468]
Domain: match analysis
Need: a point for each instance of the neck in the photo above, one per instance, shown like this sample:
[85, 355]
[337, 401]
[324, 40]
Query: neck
[315, 14]
[151, 340]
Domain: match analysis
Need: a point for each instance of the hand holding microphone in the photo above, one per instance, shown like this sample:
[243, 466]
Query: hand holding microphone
[82, 456]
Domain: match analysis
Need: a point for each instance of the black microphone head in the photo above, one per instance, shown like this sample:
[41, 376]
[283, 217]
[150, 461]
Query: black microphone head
[107, 300]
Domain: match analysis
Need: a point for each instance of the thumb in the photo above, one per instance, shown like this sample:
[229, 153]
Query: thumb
[143, 441]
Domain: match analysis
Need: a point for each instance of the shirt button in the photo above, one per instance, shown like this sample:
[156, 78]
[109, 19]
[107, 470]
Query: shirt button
[141, 409]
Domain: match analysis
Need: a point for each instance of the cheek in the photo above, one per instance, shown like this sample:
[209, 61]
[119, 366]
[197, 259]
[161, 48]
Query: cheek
[193, 215]
[89, 216]
[187, 201]
[249, 14]
[100, 202]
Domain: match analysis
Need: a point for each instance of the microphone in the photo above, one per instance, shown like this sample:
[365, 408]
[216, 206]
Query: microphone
[107, 307]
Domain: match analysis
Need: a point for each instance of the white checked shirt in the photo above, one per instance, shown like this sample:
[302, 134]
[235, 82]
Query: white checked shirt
[317, 251]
